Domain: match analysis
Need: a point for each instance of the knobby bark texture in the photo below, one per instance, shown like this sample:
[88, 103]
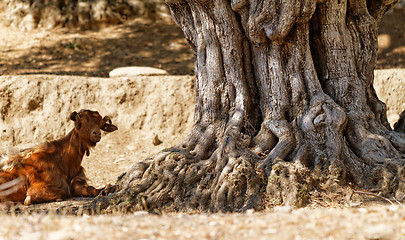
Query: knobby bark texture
[285, 109]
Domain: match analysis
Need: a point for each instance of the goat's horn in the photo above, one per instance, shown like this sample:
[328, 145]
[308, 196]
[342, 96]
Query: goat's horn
[74, 116]
[107, 119]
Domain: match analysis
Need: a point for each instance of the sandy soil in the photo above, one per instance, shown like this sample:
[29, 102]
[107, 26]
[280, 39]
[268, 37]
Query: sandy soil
[386, 222]
[62, 51]
[34, 108]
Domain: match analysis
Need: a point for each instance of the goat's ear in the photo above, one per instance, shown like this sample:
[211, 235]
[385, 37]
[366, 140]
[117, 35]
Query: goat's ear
[107, 125]
[109, 128]
[74, 116]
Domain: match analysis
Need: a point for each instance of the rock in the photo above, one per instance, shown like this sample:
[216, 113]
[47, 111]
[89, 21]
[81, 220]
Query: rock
[137, 71]
[156, 141]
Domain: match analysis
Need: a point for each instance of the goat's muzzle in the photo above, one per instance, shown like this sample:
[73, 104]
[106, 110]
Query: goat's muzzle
[95, 136]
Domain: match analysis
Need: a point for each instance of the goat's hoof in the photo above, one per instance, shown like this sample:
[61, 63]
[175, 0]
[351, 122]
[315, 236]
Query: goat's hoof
[27, 201]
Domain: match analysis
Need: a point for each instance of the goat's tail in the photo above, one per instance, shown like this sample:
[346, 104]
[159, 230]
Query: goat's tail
[11, 187]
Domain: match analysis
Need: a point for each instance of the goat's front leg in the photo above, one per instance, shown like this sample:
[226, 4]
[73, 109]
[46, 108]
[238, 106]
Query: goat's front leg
[80, 188]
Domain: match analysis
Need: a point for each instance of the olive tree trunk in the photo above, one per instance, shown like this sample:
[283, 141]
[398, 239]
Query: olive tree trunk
[285, 108]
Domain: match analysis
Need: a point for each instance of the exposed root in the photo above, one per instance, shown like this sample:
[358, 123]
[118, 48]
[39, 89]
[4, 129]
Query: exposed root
[377, 196]
[321, 127]
[284, 146]
[175, 180]
[264, 140]
[238, 184]
[290, 184]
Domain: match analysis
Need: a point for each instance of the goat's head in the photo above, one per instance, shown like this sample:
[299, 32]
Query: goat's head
[88, 125]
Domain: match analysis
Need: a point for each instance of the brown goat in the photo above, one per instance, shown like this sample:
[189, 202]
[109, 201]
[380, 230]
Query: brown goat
[52, 171]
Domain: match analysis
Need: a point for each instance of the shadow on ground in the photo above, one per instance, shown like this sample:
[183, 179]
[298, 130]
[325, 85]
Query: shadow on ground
[160, 44]
[95, 53]
[391, 40]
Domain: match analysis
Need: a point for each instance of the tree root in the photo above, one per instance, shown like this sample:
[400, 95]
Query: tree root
[320, 127]
[178, 179]
[290, 184]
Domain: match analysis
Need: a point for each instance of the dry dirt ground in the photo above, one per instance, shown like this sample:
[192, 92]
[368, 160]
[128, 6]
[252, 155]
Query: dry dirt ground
[35, 102]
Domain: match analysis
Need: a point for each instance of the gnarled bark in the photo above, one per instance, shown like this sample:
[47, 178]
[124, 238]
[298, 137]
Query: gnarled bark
[285, 106]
